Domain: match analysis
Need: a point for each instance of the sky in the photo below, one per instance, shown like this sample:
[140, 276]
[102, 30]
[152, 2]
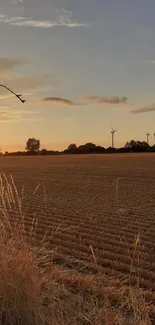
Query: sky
[82, 67]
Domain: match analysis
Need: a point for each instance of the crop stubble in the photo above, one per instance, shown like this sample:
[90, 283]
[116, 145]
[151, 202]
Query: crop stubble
[104, 203]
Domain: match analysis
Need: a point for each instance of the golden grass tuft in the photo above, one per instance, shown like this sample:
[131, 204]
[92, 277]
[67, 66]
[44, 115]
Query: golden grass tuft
[21, 279]
[20, 285]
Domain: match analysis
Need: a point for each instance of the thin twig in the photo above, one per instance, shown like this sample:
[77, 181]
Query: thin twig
[11, 91]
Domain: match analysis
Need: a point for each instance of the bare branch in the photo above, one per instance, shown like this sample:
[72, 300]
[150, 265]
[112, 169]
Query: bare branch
[18, 96]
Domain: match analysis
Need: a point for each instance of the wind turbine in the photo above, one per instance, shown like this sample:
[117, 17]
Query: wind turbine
[148, 135]
[112, 134]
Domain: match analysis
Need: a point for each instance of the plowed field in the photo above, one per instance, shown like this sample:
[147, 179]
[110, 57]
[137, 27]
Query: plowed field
[98, 210]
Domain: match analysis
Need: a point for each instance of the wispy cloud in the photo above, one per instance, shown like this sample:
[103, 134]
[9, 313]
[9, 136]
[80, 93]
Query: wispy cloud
[8, 114]
[59, 101]
[26, 85]
[146, 109]
[87, 100]
[64, 19]
[107, 100]
[10, 63]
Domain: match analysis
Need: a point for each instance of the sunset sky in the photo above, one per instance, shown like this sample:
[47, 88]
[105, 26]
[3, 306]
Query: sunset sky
[81, 66]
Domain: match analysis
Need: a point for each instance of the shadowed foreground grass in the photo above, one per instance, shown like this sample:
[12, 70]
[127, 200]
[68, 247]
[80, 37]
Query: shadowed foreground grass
[35, 291]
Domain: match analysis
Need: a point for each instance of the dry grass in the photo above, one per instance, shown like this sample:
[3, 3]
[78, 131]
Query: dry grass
[20, 277]
[34, 291]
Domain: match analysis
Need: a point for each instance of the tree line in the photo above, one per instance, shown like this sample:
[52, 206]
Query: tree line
[33, 148]
[33, 145]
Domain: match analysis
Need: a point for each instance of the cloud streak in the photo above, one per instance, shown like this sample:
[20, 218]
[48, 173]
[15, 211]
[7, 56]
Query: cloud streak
[59, 101]
[88, 100]
[5, 117]
[26, 85]
[64, 19]
[106, 99]
[8, 114]
[146, 109]
[10, 63]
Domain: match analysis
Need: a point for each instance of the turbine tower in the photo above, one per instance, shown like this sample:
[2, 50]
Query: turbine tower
[148, 135]
[112, 134]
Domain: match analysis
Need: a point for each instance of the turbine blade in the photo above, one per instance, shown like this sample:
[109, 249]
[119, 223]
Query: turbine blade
[111, 127]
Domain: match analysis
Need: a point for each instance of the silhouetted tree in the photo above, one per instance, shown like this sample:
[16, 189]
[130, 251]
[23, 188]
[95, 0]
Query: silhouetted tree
[111, 150]
[44, 152]
[152, 149]
[130, 144]
[32, 145]
[137, 146]
[72, 148]
[123, 150]
[99, 149]
[89, 145]
[87, 148]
